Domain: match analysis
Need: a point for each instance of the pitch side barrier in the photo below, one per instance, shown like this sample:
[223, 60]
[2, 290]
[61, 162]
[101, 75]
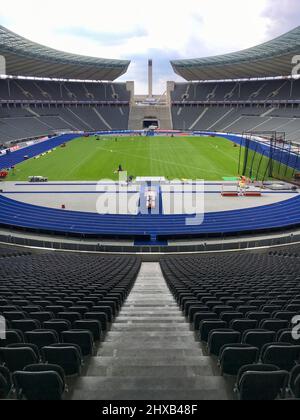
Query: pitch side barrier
[129, 132]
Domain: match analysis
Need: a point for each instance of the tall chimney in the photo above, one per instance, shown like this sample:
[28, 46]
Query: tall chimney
[150, 79]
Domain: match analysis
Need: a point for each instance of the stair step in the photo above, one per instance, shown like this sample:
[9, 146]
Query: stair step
[141, 319]
[151, 304]
[150, 327]
[110, 348]
[132, 388]
[149, 353]
[157, 312]
[148, 334]
[150, 371]
[145, 308]
[142, 360]
[149, 342]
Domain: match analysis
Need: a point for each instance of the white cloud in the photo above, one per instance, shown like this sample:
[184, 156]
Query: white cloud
[172, 28]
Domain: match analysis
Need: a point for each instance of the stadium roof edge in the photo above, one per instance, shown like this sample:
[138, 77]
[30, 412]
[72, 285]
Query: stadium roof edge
[27, 58]
[270, 59]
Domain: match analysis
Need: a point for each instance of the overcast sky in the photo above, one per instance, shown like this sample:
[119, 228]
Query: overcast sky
[158, 29]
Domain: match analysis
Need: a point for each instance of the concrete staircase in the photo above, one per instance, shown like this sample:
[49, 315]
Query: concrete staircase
[162, 113]
[151, 353]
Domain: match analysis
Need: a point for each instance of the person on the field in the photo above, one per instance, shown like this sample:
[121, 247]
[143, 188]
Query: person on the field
[243, 185]
[120, 169]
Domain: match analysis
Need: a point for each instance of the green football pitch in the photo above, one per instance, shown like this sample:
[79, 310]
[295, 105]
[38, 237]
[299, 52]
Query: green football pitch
[89, 159]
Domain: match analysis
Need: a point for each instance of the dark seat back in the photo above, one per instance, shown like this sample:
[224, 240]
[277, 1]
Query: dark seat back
[39, 386]
[262, 386]
[17, 358]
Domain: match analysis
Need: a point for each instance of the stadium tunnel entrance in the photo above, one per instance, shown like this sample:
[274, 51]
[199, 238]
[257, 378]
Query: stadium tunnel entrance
[150, 122]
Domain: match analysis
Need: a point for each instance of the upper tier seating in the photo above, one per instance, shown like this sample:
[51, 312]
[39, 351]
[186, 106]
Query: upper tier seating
[37, 108]
[25, 90]
[238, 106]
[255, 91]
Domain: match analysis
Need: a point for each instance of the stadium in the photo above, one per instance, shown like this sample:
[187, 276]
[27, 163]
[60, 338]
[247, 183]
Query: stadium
[149, 244]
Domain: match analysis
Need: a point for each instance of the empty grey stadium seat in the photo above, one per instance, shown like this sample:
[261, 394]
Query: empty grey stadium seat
[207, 326]
[274, 324]
[68, 356]
[35, 386]
[283, 356]
[218, 338]
[70, 316]
[42, 316]
[25, 325]
[83, 338]
[104, 309]
[242, 325]
[57, 325]
[231, 316]
[17, 358]
[14, 315]
[98, 316]
[258, 316]
[286, 336]
[93, 326]
[233, 357]
[42, 338]
[258, 338]
[41, 367]
[12, 337]
[203, 316]
[262, 386]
